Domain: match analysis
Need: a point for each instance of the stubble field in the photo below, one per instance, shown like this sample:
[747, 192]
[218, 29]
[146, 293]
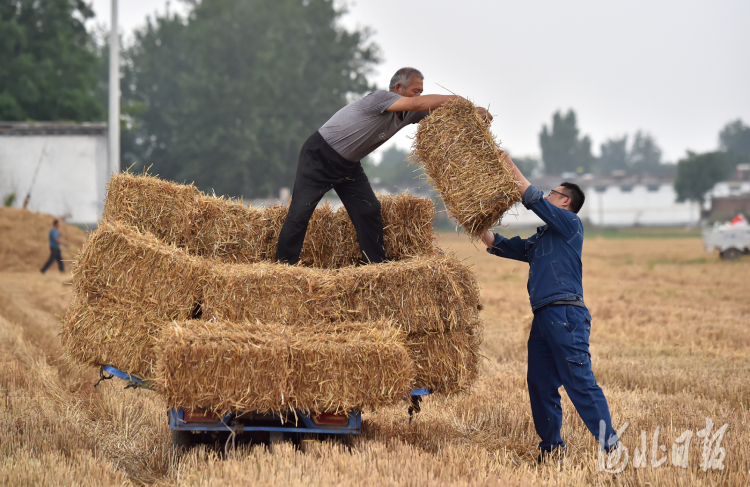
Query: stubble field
[670, 340]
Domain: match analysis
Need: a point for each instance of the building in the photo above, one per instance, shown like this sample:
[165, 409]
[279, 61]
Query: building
[617, 201]
[66, 162]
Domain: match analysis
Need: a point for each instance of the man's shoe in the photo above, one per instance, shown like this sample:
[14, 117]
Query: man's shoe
[556, 455]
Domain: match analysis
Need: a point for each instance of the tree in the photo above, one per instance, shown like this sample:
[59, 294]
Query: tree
[735, 138]
[614, 156]
[644, 156]
[395, 171]
[562, 149]
[232, 92]
[528, 165]
[48, 61]
[698, 173]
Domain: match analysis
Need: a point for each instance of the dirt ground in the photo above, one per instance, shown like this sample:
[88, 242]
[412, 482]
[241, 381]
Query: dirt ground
[670, 338]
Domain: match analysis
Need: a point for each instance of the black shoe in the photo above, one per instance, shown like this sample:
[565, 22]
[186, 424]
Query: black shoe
[555, 455]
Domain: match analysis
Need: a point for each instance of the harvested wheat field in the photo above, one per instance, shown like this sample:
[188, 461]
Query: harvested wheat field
[670, 339]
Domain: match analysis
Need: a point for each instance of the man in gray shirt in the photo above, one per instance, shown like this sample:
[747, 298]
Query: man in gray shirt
[330, 159]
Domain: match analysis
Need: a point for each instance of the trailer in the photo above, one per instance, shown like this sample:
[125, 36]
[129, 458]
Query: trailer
[202, 426]
[732, 241]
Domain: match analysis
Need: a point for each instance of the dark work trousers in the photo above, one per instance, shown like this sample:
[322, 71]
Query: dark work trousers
[55, 255]
[559, 356]
[320, 169]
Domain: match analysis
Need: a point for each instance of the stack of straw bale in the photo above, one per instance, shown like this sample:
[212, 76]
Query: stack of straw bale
[267, 367]
[125, 285]
[462, 160]
[229, 231]
[182, 288]
[434, 299]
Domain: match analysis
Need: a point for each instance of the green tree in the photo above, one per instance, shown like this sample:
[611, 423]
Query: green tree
[395, 171]
[528, 165]
[562, 149]
[644, 156]
[698, 173]
[232, 92]
[735, 138]
[48, 61]
[614, 156]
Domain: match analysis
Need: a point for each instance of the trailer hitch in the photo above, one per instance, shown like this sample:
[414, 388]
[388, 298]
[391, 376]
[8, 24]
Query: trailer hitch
[102, 376]
[415, 407]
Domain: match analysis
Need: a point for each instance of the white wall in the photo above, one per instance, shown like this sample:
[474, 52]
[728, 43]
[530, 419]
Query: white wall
[613, 205]
[72, 175]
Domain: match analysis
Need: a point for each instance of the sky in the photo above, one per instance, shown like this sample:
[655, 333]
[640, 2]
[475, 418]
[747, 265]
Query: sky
[674, 69]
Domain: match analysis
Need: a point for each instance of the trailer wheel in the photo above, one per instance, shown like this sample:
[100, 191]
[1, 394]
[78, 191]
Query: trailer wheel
[731, 254]
[182, 440]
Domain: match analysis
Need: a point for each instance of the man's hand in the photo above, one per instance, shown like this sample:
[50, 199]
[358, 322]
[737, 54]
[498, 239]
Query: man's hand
[488, 238]
[485, 114]
[523, 182]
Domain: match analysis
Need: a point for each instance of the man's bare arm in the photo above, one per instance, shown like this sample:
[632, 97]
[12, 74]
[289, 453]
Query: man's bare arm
[517, 175]
[426, 103]
[419, 103]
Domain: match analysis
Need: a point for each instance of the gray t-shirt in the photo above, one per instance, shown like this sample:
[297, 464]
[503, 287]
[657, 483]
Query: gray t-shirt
[362, 126]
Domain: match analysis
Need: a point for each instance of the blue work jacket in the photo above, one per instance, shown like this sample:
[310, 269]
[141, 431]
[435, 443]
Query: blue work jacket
[553, 252]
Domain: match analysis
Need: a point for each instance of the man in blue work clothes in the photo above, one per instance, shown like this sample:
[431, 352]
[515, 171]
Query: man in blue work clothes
[54, 248]
[559, 340]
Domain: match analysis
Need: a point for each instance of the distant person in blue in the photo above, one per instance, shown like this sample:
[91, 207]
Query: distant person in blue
[54, 246]
[558, 344]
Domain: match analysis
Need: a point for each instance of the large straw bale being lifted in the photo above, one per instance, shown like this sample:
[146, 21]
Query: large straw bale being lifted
[268, 367]
[124, 284]
[462, 160]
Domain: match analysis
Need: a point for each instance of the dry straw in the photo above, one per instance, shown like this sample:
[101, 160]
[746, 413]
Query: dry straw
[421, 294]
[129, 284]
[267, 367]
[151, 205]
[446, 362]
[125, 284]
[459, 154]
[229, 231]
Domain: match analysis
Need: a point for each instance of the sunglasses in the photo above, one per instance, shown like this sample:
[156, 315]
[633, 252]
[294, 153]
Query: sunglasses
[557, 192]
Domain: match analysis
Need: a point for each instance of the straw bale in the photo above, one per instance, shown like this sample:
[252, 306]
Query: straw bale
[233, 233]
[421, 294]
[268, 367]
[110, 333]
[151, 205]
[229, 231]
[447, 363]
[462, 160]
[24, 245]
[123, 282]
[407, 226]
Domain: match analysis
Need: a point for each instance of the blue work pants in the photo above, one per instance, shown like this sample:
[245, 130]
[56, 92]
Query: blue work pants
[559, 356]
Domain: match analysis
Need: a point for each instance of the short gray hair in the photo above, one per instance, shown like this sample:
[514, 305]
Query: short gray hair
[403, 76]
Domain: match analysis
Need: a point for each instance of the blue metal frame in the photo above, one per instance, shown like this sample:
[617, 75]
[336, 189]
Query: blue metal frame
[353, 427]
[176, 416]
[124, 375]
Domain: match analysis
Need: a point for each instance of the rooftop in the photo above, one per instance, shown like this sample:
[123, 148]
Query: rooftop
[52, 128]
